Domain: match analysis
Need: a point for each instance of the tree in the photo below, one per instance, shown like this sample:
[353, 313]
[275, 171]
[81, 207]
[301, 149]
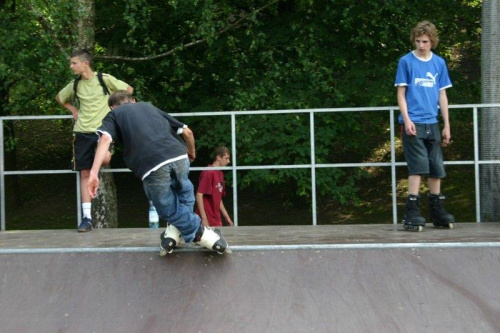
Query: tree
[35, 34]
[246, 55]
[280, 55]
[490, 119]
[104, 208]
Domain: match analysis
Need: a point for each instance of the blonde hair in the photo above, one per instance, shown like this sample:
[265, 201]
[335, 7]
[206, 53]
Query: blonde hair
[425, 28]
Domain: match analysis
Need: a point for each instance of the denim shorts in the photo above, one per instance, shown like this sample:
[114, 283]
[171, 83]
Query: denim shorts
[423, 151]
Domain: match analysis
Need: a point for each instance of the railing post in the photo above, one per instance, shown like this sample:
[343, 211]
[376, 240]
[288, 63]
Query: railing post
[476, 165]
[234, 165]
[393, 168]
[313, 169]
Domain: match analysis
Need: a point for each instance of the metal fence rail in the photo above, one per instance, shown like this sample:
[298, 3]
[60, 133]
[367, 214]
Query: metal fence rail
[235, 167]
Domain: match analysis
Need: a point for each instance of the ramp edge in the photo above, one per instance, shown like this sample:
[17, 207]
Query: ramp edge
[184, 248]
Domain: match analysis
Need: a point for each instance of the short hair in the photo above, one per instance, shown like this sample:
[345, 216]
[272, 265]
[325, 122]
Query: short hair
[84, 55]
[425, 28]
[221, 151]
[119, 97]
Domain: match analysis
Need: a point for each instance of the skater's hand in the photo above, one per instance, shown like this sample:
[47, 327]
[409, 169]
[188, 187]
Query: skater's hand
[192, 156]
[446, 134]
[93, 185]
[229, 221]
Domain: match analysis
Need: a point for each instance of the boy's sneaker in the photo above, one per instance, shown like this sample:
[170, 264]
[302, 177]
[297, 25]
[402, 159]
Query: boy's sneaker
[86, 225]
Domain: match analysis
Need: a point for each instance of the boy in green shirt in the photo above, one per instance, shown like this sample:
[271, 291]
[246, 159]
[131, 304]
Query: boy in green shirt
[93, 107]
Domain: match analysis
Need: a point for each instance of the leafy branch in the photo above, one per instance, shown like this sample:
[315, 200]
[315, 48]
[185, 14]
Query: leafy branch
[47, 27]
[187, 45]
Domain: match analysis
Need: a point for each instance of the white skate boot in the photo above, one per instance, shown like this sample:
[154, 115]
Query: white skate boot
[212, 240]
[170, 238]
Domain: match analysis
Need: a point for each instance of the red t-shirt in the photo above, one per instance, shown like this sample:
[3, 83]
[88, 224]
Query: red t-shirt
[212, 185]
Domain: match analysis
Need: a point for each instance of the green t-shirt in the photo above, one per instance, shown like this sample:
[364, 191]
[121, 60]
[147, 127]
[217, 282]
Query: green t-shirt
[93, 103]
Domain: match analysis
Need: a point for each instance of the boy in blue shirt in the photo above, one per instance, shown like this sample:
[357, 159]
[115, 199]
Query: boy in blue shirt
[421, 81]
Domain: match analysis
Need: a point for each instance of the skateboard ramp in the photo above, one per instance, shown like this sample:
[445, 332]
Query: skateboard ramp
[354, 285]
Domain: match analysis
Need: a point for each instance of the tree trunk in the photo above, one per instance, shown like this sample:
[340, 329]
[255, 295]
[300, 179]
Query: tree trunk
[86, 24]
[104, 206]
[490, 117]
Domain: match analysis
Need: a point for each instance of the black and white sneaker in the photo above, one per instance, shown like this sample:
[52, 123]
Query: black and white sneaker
[170, 238]
[212, 240]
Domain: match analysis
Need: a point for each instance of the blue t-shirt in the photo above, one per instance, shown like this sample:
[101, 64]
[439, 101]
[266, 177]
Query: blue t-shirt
[424, 79]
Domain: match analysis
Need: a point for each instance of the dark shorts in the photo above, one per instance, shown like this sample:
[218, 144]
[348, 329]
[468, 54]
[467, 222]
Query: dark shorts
[423, 151]
[84, 146]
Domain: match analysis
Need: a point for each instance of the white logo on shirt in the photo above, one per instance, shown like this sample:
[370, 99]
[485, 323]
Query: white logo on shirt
[220, 187]
[429, 80]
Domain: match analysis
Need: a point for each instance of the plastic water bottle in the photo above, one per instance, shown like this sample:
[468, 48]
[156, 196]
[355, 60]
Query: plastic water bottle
[154, 219]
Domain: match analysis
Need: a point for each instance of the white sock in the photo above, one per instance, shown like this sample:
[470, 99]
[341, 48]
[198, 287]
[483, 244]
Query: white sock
[87, 208]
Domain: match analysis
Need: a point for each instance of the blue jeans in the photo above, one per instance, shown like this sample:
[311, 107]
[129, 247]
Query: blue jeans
[172, 194]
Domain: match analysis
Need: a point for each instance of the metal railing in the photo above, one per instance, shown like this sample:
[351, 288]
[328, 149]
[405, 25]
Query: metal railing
[313, 166]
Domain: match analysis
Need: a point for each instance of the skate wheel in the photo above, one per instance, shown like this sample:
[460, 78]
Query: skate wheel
[443, 226]
[226, 251]
[167, 246]
[220, 249]
[412, 227]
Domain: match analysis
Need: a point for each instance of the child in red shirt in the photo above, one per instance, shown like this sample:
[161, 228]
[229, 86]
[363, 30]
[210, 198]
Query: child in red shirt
[211, 189]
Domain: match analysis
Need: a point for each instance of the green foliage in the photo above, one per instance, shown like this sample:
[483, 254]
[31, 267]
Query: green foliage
[31, 64]
[247, 55]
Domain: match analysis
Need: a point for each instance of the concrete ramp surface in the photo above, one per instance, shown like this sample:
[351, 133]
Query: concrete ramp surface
[360, 286]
